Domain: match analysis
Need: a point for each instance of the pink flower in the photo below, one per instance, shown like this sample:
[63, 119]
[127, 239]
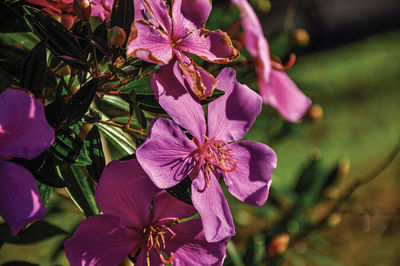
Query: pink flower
[162, 36]
[215, 151]
[24, 133]
[276, 88]
[129, 224]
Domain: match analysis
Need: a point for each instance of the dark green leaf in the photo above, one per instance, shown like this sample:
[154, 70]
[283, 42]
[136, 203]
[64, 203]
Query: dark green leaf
[182, 191]
[36, 232]
[33, 72]
[43, 169]
[11, 20]
[117, 72]
[95, 151]
[122, 15]
[63, 114]
[70, 148]
[59, 40]
[79, 188]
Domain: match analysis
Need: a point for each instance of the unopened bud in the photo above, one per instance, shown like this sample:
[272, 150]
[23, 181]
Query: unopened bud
[82, 8]
[278, 245]
[301, 37]
[316, 112]
[116, 36]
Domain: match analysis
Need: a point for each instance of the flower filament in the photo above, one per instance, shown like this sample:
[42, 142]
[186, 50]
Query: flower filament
[216, 153]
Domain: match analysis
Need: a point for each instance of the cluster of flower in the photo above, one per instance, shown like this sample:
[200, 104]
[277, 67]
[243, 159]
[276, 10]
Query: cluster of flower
[139, 218]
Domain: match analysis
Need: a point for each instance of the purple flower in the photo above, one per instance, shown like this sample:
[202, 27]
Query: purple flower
[168, 156]
[162, 35]
[24, 133]
[276, 88]
[137, 216]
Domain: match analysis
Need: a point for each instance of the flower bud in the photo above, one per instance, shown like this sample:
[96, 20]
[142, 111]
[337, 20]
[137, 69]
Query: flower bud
[116, 36]
[316, 112]
[278, 245]
[82, 8]
[301, 37]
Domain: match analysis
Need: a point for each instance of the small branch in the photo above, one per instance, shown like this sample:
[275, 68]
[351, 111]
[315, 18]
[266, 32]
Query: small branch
[357, 184]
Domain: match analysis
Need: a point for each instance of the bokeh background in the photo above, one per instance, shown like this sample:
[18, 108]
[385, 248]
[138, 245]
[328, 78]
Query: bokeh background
[348, 63]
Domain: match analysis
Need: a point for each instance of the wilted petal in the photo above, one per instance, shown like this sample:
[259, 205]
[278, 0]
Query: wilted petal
[101, 240]
[210, 202]
[24, 131]
[167, 154]
[213, 46]
[20, 201]
[160, 12]
[285, 96]
[190, 245]
[200, 81]
[169, 88]
[251, 179]
[126, 191]
[166, 205]
[148, 43]
[231, 115]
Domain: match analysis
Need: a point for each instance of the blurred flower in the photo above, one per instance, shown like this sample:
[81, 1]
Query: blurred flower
[316, 112]
[163, 35]
[137, 216]
[24, 133]
[168, 156]
[301, 37]
[276, 88]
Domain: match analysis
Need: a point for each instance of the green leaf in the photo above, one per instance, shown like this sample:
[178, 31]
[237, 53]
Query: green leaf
[118, 139]
[59, 40]
[33, 72]
[119, 73]
[234, 254]
[69, 147]
[79, 188]
[116, 101]
[95, 151]
[45, 192]
[122, 15]
[36, 232]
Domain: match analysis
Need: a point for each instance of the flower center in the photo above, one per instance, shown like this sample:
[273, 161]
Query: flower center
[216, 153]
[155, 238]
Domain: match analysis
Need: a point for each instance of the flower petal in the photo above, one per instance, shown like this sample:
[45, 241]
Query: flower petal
[182, 26]
[197, 11]
[126, 191]
[169, 88]
[153, 258]
[20, 201]
[285, 96]
[210, 202]
[148, 43]
[231, 115]
[167, 154]
[24, 131]
[200, 81]
[213, 46]
[101, 8]
[251, 179]
[190, 245]
[165, 205]
[101, 240]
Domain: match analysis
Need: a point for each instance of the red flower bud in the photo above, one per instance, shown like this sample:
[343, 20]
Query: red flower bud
[82, 8]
